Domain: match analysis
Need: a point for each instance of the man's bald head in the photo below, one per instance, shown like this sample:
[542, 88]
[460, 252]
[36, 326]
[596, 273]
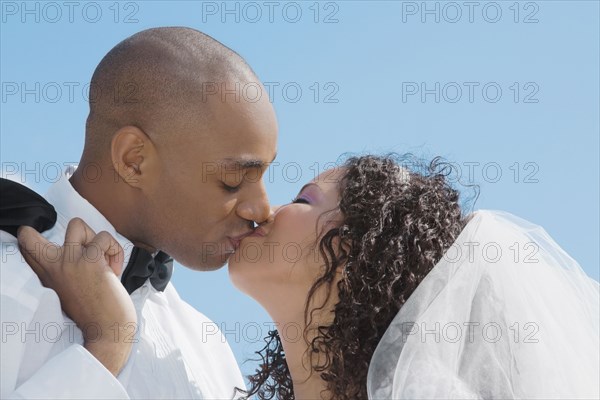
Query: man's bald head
[182, 167]
[155, 80]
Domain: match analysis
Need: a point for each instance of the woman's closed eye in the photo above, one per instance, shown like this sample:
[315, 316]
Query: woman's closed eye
[300, 200]
[305, 196]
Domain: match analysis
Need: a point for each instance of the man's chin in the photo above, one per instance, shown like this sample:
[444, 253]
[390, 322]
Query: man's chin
[205, 264]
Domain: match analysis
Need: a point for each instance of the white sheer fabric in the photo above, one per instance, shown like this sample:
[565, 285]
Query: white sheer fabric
[506, 314]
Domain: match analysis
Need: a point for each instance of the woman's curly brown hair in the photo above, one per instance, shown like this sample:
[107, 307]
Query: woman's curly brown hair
[399, 217]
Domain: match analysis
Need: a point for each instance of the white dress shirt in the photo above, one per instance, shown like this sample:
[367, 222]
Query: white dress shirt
[178, 352]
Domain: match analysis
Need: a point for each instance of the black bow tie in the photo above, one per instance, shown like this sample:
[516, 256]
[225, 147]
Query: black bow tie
[142, 266]
[20, 206]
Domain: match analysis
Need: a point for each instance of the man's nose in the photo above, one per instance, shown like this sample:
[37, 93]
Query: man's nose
[256, 208]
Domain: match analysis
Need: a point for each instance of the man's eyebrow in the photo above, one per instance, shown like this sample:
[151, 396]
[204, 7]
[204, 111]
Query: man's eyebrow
[244, 163]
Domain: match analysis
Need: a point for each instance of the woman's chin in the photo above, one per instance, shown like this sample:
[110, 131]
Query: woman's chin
[242, 276]
[241, 271]
[237, 262]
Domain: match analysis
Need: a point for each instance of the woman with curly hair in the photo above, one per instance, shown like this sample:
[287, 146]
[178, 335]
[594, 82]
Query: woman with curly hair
[335, 266]
[382, 287]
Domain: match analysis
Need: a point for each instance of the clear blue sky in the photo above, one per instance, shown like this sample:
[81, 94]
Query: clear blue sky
[517, 107]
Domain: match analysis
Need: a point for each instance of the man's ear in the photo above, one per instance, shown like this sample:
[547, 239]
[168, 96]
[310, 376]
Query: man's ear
[131, 153]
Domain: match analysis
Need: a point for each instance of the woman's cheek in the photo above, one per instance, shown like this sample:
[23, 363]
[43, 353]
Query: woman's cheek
[296, 227]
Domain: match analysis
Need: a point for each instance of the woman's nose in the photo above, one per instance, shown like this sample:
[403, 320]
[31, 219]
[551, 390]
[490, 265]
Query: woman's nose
[274, 210]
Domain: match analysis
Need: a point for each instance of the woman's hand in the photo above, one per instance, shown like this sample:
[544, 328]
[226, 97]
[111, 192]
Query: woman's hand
[84, 273]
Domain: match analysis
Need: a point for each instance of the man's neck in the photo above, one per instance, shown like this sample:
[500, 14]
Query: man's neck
[101, 193]
[95, 190]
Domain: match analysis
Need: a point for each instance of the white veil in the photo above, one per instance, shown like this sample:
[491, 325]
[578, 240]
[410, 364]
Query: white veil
[505, 314]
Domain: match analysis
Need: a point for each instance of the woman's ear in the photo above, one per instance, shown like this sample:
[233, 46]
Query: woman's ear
[131, 153]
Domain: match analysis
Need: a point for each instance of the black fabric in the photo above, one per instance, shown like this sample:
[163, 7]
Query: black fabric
[20, 206]
[143, 266]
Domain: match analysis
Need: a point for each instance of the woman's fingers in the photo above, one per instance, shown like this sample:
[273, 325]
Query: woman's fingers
[105, 247]
[39, 253]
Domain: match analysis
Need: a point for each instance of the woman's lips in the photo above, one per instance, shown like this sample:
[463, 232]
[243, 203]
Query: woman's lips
[259, 231]
[235, 241]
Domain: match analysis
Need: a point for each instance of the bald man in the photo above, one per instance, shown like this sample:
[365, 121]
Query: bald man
[173, 161]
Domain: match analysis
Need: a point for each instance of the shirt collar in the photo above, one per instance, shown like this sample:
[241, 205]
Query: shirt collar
[69, 204]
